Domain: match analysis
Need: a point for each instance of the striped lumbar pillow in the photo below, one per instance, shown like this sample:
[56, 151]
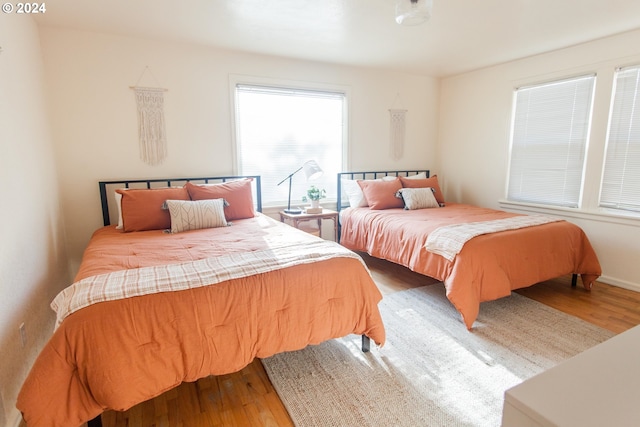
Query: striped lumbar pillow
[194, 215]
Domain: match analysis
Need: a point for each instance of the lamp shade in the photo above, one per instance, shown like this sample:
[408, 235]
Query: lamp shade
[312, 170]
[413, 12]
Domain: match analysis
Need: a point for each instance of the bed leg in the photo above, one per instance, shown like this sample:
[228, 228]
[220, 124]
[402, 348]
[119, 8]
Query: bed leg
[574, 280]
[96, 422]
[366, 344]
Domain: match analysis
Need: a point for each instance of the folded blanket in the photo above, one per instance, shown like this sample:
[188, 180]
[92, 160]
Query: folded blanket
[449, 240]
[176, 277]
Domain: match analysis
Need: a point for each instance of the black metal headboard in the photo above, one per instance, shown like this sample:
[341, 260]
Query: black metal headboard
[168, 182]
[370, 175]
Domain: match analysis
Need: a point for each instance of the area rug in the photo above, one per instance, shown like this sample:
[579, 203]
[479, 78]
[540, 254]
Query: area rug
[432, 371]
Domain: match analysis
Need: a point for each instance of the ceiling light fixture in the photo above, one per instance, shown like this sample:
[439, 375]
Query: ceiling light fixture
[413, 12]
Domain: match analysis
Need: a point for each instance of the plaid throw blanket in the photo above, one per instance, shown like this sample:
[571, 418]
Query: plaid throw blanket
[449, 240]
[176, 277]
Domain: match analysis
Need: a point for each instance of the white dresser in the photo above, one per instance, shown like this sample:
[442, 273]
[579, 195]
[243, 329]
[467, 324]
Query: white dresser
[599, 387]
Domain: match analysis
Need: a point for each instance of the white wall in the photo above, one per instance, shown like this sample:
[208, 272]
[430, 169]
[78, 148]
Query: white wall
[95, 124]
[473, 145]
[33, 261]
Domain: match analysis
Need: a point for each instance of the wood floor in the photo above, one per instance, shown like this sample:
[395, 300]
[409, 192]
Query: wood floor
[246, 398]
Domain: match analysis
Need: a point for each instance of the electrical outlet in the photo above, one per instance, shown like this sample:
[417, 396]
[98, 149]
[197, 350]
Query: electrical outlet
[23, 335]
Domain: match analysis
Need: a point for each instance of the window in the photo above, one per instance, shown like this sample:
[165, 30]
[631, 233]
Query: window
[621, 176]
[279, 129]
[548, 143]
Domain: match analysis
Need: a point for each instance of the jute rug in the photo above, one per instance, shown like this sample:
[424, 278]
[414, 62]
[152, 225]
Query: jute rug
[431, 371]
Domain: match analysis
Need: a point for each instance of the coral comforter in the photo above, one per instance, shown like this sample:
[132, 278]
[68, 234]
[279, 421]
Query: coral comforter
[117, 353]
[488, 267]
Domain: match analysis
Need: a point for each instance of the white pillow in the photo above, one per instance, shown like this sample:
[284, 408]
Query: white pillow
[196, 214]
[119, 207]
[421, 175]
[418, 198]
[354, 193]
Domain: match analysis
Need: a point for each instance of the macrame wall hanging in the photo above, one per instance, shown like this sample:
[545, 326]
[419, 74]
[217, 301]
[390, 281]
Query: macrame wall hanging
[152, 136]
[397, 130]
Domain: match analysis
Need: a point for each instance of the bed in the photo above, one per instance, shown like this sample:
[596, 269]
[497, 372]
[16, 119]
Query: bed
[152, 308]
[494, 252]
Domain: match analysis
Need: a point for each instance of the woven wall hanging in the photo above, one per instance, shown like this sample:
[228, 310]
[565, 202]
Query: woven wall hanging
[397, 131]
[152, 135]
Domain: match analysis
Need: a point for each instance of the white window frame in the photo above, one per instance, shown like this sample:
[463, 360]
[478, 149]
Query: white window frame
[536, 194]
[589, 208]
[235, 80]
[620, 181]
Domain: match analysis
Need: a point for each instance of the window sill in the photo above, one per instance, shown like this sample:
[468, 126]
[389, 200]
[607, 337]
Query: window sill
[598, 214]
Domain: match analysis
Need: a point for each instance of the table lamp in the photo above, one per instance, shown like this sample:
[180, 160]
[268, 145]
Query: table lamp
[311, 171]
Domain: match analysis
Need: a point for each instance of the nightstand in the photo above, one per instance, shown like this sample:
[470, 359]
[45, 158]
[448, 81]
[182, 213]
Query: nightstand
[296, 219]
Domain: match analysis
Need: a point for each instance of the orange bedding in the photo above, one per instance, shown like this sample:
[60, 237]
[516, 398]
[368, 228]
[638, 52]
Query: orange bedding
[115, 354]
[488, 267]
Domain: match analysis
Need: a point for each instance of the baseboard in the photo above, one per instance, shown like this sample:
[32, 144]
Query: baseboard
[619, 283]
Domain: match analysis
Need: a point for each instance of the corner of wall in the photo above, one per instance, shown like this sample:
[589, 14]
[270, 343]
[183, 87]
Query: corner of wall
[33, 257]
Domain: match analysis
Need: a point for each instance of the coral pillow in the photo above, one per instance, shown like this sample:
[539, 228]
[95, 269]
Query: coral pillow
[424, 183]
[382, 194]
[142, 208]
[237, 194]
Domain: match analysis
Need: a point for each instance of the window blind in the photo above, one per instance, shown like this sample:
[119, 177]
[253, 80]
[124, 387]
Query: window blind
[621, 177]
[548, 143]
[278, 129]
